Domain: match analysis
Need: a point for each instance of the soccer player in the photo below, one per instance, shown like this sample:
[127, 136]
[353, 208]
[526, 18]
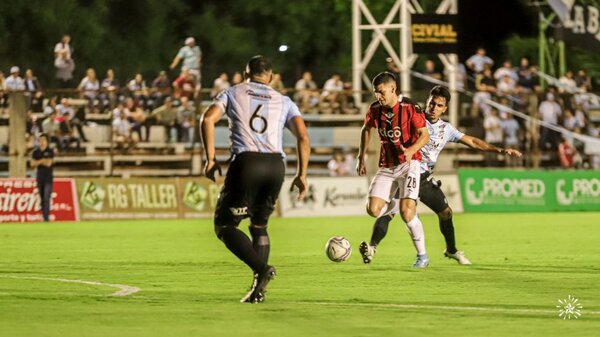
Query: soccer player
[402, 133]
[430, 192]
[257, 115]
[42, 159]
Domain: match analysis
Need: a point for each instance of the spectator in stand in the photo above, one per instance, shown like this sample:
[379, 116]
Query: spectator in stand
[392, 67]
[566, 153]
[431, 71]
[166, 115]
[221, 83]
[186, 120]
[121, 132]
[71, 119]
[307, 95]
[461, 76]
[236, 78]
[109, 91]
[485, 85]
[34, 91]
[120, 110]
[138, 90]
[340, 165]
[510, 129]
[568, 83]
[51, 106]
[580, 117]
[582, 79]
[506, 69]
[137, 117]
[185, 85]
[190, 56]
[277, 84]
[14, 82]
[51, 127]
[161, 88]
[493, 135]
[90, 88]
[333, 93]
[477, 62]
[550, 111]
[64, 63]
[527, 79]
[3, 94]
[506, 86]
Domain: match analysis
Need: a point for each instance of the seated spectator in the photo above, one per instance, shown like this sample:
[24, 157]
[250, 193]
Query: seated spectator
[51, 127]
[277, 84]
[166, 115]
[221, 83]
[566, 153]
[569, 121]
[186, 120]
[568, 83]
[71, 118]
[527, 78]
[185, 85]
[307, 95]
[90, 88]
[14, 82]
[137, 117]
[479, 61]
[582, 79]
[138, 90]
[34, 91]
[506, 86]
[122, 135]
[120, 110]
[431, 71]
[506, 70]
[161, 88]
[339, 165]
[486, 86]
[32, 128]
[236, 78]
[3, 94]
[109, 91]
[333, 93]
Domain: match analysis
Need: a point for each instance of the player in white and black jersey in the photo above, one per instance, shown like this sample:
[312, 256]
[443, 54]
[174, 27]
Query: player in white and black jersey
[257, 115]
[430, 193]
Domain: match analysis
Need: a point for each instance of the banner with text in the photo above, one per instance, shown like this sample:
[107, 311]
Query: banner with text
[434, 33]
[140, 198]
[198, 197]
[526, 191]
[339, 196]
[20, 200]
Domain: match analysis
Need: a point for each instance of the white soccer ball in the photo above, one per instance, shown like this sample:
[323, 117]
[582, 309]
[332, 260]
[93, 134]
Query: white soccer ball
[338, 249]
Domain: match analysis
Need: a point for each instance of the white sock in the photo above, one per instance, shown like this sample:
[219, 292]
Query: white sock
[415, 229]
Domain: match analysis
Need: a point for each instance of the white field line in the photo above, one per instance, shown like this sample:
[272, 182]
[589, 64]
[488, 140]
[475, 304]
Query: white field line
[124, 290]
[442, 307]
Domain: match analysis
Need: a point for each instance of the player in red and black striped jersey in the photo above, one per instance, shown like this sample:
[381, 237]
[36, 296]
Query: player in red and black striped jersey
[402, 133]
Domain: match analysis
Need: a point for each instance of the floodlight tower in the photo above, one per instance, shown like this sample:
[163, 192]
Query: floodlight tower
[404, 58]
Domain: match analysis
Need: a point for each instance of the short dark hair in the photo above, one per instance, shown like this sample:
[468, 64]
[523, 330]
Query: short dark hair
[43, 135]
[440, 91]
[384, 77]
[258, 65]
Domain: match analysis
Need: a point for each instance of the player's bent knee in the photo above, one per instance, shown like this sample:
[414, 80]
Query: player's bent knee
[374, 210]
[445, 214]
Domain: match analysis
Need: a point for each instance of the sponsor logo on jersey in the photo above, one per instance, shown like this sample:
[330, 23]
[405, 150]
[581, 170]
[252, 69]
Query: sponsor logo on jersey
[392, 135]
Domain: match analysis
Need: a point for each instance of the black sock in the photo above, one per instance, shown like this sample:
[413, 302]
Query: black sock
[380, 229]
[239, 244]
[260, 242]
[447, 229]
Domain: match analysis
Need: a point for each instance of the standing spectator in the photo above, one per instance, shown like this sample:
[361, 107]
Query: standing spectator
[42, 158]
[306, 94]
[236, 78]
[550, 111]
[506, 86]
[493, 135]
[186, 120]
[582, 79]
[339, 165]
[109, 91]
[14, 82]
[221, 83]
[485, 85]
[477, 62]
[461, 76]
[161, 88]
[89, 87]
[122, 132]
[64, 63]
[138, 89]
[185, 85]
[333, 93]
[566, 153]
[34, 89]
[510, 129]
[568, 83]
[506, 70]
[138, 118]
[190, 56]
[431, 71]
[527, 79]
[166, 115]
[569, 120]
[277, 84]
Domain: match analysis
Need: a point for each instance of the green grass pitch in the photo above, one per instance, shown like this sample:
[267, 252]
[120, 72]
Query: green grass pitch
[190, 284]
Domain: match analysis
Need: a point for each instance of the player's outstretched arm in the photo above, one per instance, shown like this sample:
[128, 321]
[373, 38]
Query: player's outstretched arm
[481, 145]
[365, 135]
[210, 117]
[298, 128]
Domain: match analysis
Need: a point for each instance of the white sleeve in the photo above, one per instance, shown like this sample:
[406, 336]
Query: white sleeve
[453, 134]
[222, 100]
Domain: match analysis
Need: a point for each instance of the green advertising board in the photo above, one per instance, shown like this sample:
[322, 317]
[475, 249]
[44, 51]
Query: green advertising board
[529, 191]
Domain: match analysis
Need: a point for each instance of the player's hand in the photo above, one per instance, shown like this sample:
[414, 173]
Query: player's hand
[361, 169]
[300, 183]
[408, 153]
[513, 152]
[210, 168]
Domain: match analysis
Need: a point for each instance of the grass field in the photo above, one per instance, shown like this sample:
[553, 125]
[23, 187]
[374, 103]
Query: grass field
[190, 284]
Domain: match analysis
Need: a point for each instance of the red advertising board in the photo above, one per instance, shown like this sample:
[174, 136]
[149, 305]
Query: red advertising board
[20, 201]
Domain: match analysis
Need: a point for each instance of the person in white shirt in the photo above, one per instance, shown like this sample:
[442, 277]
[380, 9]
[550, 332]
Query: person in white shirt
[478, 61]
[549, 111]
[333, 92]
[493, 135]
[63, 61]
[14, 82]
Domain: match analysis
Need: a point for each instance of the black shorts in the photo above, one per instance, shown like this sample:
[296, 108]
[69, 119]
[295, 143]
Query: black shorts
[251, 189]
[431, 194]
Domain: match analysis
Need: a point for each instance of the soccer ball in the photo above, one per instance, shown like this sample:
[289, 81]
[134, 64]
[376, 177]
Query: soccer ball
[338, 249]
